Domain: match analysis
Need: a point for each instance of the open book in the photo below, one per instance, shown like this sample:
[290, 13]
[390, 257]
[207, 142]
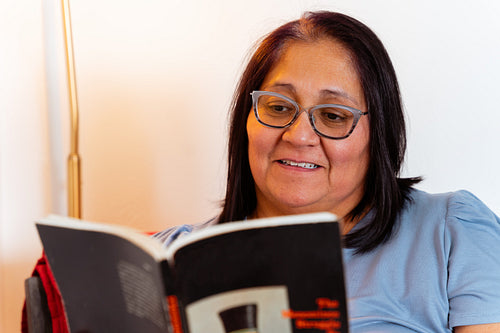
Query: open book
[281, 274]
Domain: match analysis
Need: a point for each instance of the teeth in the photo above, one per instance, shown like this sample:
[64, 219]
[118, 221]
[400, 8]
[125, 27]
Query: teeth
[300, 164]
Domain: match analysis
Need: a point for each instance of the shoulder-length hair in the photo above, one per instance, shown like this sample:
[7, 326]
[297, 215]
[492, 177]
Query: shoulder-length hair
[385, 193]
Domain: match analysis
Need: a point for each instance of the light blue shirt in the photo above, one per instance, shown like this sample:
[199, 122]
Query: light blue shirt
[440, 269]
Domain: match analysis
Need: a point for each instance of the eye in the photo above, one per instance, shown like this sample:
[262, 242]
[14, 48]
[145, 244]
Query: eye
[275, 106]
[332, 116]
[279, 108]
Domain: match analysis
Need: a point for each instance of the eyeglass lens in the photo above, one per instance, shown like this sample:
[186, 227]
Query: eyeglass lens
[329, 120]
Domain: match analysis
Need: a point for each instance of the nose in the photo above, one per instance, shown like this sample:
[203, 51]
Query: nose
[301, 132]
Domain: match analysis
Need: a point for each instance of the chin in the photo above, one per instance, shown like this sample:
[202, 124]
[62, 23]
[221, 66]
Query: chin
[301, 207]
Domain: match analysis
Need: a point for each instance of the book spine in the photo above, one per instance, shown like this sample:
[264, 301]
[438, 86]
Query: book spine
[174, 306]
[174, 312]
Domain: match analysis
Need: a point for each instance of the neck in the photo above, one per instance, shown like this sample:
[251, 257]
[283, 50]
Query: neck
[345, 223]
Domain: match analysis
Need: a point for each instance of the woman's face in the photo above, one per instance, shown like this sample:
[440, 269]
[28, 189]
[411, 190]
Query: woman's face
[311, 73]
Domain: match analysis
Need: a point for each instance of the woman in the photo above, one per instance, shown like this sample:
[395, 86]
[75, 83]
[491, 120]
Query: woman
[317, 125]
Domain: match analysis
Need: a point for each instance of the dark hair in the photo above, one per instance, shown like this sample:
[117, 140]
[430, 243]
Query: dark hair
[385, 192]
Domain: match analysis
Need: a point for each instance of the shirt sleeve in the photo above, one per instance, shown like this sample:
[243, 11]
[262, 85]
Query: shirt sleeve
[472, 239]
[167, 236]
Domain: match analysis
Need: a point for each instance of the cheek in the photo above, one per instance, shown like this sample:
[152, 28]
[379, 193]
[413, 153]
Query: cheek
[352, 153]
[256, 143]
[261, 144]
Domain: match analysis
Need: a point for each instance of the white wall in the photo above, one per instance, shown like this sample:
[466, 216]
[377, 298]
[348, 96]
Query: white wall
[24, 167]
[155, 79]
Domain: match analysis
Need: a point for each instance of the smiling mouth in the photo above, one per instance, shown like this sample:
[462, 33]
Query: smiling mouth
[304, 165]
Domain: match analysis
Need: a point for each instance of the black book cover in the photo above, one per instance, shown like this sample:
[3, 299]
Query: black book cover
[281, 274]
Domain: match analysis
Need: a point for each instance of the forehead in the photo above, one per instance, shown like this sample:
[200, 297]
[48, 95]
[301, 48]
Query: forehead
[312, 67]
[325, 54]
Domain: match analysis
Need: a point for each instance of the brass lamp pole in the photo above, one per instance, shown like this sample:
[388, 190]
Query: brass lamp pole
[74, 191]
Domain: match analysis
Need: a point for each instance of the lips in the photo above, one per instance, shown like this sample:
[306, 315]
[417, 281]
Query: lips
[305, 165]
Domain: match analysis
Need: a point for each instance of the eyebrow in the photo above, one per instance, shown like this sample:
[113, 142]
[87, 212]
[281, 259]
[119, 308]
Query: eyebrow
[338, 93]
[323, 93]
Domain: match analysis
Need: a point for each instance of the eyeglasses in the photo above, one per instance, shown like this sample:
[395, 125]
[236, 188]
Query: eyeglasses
[333, 121]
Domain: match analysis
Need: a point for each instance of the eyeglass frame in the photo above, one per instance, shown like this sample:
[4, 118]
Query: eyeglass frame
[299, 109]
